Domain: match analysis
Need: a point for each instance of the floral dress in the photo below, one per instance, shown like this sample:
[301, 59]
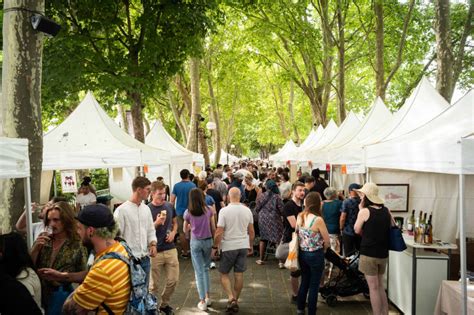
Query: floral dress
[71, 257]
[270, 212]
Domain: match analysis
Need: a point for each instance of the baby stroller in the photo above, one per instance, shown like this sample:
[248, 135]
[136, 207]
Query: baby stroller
[349, 281]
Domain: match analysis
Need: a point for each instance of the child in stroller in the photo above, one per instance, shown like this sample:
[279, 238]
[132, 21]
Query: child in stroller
[349, 281]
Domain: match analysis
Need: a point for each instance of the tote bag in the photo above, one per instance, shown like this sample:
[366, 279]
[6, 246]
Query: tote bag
[291, 262]
[282, 250]
[396, 241]
[57, 299]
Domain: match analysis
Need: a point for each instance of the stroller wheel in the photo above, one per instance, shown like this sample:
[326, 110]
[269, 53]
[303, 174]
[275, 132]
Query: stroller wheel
[331, 300]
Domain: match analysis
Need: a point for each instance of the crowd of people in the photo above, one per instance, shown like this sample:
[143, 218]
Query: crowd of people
[217, 218]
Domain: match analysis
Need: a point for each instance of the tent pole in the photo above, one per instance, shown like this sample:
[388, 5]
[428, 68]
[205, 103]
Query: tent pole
[171, 180]
[330, 175]
[29, 228]
[55, 184]
[462, 244]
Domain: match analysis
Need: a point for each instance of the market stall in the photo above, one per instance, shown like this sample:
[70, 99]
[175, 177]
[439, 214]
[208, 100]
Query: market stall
[436, 161]
[15, 163]
[88, 139]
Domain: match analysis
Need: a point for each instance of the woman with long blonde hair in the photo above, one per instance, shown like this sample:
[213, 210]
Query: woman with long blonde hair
[313, 239]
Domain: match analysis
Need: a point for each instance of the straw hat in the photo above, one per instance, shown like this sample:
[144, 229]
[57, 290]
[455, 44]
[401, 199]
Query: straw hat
[371, 191]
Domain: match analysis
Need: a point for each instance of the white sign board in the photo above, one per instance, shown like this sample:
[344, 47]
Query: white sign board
[355, 169]
[68, 181]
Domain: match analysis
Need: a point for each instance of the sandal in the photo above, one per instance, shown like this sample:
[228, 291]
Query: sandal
[260, 262]
[234, 306]
[228, 308]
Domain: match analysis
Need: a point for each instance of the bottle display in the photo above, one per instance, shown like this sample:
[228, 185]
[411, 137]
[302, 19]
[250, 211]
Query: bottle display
[423, 228]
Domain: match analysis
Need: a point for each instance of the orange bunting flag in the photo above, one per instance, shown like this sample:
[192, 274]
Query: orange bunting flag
[145, 168]
[344, 169]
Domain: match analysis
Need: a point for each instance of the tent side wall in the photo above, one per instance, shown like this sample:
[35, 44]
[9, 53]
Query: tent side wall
[435, 193]
[342, 181]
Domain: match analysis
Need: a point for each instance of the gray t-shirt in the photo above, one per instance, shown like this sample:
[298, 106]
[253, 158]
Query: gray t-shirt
[235, 219]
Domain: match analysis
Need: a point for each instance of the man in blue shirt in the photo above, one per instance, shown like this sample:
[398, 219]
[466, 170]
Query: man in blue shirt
[349, 211]
[180, 198]
[238, 178]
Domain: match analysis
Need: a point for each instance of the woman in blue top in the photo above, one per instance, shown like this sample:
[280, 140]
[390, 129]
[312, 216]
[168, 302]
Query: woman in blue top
[313, 239]
[331, 214]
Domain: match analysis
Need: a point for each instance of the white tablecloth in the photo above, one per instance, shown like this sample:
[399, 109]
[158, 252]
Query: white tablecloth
[449, 299]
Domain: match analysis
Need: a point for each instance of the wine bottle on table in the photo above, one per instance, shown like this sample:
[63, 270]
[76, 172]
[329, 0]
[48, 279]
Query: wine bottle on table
[416, 236]
[428, 236]
[411, 223]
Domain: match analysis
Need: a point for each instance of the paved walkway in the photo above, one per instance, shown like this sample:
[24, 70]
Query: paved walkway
[266, 291]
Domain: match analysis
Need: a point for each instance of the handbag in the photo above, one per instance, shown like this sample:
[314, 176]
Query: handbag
[291, 262]
[57, 299]
[281, 252]
[396, 241]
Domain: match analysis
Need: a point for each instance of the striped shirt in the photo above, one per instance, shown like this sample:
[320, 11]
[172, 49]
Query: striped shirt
[108, 281]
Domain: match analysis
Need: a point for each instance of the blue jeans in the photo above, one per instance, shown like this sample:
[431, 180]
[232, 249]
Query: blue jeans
[201, 259]
[312, 267]
[145, 263]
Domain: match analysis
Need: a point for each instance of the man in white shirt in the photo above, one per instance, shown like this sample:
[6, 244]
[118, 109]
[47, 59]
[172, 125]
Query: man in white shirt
[136, 224]
[234, 234]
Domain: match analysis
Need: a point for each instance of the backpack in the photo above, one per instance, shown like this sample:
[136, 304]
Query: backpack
[140, 301]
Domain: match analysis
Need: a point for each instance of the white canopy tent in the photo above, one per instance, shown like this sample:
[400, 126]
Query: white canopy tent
[350, 154]
[312, 138]
[89, 138]
[286, 153]
[441, 152]
[15, 163]
[351, 151]
[435, 148]
[181, 157]
[346, 131]
[423, 104]
[226, 158]
[329, 132]
[327, 136]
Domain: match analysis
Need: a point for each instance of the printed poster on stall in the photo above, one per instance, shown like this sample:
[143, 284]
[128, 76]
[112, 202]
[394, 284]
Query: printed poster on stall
[68, 181]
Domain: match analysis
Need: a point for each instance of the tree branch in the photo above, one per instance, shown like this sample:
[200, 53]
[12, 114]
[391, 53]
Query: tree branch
[401, 45]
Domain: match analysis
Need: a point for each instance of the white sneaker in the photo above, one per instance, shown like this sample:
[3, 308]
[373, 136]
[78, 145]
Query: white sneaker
[212, 265]
[202, 306]
[208, 302]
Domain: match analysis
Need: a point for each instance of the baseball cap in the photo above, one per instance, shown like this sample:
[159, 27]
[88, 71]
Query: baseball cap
[96, 216]
[354, 186]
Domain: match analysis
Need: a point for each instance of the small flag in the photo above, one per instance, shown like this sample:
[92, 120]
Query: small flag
[344, 169]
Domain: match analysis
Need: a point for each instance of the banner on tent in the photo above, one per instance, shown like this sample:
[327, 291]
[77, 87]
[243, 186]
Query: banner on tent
[68, 181]
[117, 174]
[352, 169]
